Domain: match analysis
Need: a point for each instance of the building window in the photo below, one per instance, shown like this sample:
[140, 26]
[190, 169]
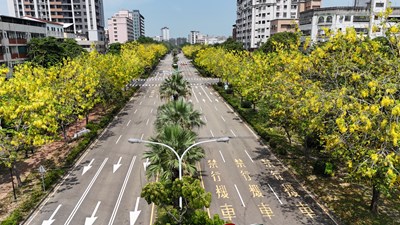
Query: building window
[321, 19]
[347, 18]
[329, 19]
[380, 5]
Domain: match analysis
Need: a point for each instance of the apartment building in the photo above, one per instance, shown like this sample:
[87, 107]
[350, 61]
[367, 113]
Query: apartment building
[165, 34]
[363, 17]
[15, 34]
[193, 36]
[120, 27]
[86, 17]
[138, 24]
[257, 20]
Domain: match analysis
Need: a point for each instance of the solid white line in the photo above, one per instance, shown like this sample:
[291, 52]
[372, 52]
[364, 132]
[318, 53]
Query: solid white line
[201, 109]
[135, 111]
[151, 111]
[137, 204]
[206, 94]
[118, 139]
[147, 122]
[95, 209]
[228, 107]
[141, 138]
[275, 194]
[249, 156]
[154, 102]
[121, 193]
[194, 93]
[223, 118]
[140, 103]
[223, 159]
[211, 133]
[85, 193]
[233, 133]
[255, 135]
[240, 196]
[215, 107]
[128, 123]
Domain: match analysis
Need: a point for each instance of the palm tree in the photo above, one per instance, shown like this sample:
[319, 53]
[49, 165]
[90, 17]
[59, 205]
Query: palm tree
[174, 87]
[163, 161]
[178, 112]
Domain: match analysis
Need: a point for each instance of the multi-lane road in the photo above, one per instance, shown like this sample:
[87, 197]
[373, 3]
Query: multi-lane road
[248, 184]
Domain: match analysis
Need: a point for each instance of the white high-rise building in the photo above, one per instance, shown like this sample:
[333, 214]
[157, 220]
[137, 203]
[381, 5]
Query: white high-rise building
[165, 34]
[85, 17]
[257, 20]
[125, 26]
[193, 36]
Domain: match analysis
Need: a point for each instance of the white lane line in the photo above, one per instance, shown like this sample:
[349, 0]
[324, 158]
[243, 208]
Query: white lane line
[147, 122]
[85, 193]
[206, 94]
[128, 123]
[151, 111]
[228, 107]
[233, 133]
[135, 111]
[205, 119]
[215, 107]
[201, 109]
[223, 118]
[199, 93]
[141, 138]
[121, 193]
[194, 93]
[211, 133]
[241, 199]
[140, 103]
[275, 194]
[255, 135]
[154, 102]
[222, 156]
[118, 139]
[249, 156]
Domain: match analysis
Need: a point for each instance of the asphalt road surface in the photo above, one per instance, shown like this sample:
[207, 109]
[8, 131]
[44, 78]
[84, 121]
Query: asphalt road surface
[248, 184]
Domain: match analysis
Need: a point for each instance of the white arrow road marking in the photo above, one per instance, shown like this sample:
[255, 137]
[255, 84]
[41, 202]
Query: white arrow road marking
[86, 168]
[90, 220]
[133, 215]
[85, 193]
[249, 156]
[240, 196]
[223, 159]
[51, 220]
[146, 164]
[116, 166]
[121, 193]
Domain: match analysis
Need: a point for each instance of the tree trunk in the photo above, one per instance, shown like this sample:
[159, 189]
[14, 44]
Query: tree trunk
[288, 134]
[87, 118]
[375, 199]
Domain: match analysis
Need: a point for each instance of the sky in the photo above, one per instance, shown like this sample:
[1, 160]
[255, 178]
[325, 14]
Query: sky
[211, 17]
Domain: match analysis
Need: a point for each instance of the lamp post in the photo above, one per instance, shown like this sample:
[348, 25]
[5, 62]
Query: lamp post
[135, 140]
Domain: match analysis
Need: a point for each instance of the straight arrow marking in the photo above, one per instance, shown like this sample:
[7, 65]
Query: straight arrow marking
[116, 166]
[90, 220]
[86, 168]
[133, 215]
[51, 220]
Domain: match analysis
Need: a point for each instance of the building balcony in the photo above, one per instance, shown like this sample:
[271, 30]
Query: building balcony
[17, 41]
[19, 56]
[2, 57]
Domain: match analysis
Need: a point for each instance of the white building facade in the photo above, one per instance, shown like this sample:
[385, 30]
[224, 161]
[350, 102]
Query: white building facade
[120, 27]
[86, 16]
[363, 19]
[165, 34]
[256, 18]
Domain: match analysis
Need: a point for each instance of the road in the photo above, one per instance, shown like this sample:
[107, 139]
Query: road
[248, 184]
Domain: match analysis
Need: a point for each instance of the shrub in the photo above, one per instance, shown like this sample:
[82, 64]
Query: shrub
[246, 104]
[229, 91]
[13, 219]
[323, 168]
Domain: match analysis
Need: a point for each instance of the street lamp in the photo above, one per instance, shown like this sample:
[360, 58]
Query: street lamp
[135, 140]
